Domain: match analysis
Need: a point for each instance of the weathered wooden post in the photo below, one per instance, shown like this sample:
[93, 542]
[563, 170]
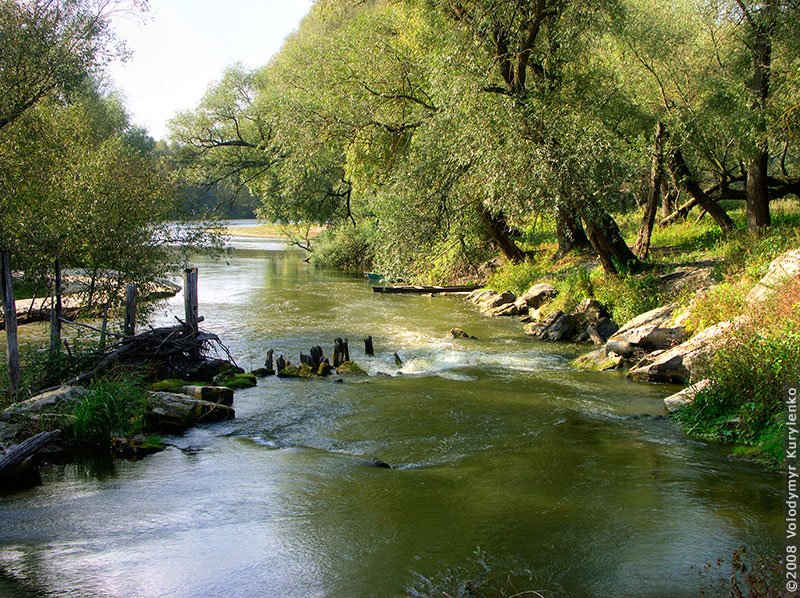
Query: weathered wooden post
[346, 348]
[10, 311]
[56, 312]
[190, 298]
[338, 352]
[130, 310]
[104, 327]
[369, 349]
[268, 363]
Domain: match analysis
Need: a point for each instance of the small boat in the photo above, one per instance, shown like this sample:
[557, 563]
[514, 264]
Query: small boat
[374, 277]
[425, 289]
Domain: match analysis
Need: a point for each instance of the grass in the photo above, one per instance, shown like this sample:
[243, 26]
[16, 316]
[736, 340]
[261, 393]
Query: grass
[112, 407]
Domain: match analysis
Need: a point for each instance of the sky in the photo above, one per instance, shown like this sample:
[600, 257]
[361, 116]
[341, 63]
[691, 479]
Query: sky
[181, 46]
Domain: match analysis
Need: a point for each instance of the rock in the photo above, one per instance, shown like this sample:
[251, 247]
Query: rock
[696, 278]
[590, 311]
[171, 413]
[599, 361]
[497, 300]
[208, 369]
[478, 295]
[621, 348]
[379, 463]
[236, 380]
[780, 270]
[136, 447]
[458, 333]
[652, 330]
[324, 368]
[507, 309]
[538, 295]
[606, 328]
[263, 372]
[594, 335]
[350, 367]
[559, 326]
[676, 365]
[681, 399]
[50, 401]
[213, 394]
[297, 371]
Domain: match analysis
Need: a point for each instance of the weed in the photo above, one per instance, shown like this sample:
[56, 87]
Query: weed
[112, 406]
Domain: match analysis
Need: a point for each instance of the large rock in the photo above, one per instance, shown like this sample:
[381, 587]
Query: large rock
[497, 300]
[599, 361]
[677, 364]
[681, 399]
[538, 295]
[652, 330]
[213, 394]
[588, 321]
[780, 270]
[51, 401]
[168, 412]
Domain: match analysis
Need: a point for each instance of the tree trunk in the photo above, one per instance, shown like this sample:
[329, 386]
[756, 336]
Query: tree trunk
[642, 246]
[498, 231]
[669, 199]
[683, 176]
[615, 255]
[569, 231]
[758, 215]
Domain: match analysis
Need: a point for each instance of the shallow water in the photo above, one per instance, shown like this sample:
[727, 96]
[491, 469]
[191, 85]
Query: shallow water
[503, 458]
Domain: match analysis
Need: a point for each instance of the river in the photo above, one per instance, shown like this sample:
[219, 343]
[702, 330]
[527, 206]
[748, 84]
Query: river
[508, 468]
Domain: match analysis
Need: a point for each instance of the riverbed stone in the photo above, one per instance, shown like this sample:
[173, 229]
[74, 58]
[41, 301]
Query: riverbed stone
[214, 394]
[497, 300]
[50, 401]
[681, 399]
[599, 361]
[780, 270]
[168, 412]
[539, 294]
[652, 330]
[676, 365]
[458, 333]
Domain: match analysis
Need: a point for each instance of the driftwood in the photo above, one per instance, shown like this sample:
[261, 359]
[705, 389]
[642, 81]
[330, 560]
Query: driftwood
[173, 345]
[17, 455]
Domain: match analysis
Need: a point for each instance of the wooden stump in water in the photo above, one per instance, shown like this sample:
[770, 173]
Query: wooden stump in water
[338, 352]
[281, 363]
[369, 349]
[317, 356]
[269, 367]
[346, 351]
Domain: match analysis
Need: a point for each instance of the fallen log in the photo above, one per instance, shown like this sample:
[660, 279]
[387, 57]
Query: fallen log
[17, 455]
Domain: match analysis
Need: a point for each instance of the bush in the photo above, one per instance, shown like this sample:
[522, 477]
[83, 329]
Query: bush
[724, 301]
[112, 407]
[626, 296]
[346, 247]
[750, 375]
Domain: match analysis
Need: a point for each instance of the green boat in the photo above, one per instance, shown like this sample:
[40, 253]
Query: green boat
[374, 277]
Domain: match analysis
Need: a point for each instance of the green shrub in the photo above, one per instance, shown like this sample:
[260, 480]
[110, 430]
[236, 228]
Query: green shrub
[112, 407]
[627, 296]
[346, 247]
[516, 277]
[724, 301]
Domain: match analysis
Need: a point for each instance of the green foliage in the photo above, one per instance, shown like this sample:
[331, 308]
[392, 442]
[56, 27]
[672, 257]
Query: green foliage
[749, 378]
[235, 381]
[722, 302]
[112, 407]
[626, 296]
[517, 277]
[172, 385]
[346, 247]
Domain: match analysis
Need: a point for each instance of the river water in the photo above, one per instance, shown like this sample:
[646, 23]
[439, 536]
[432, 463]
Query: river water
[509, 468]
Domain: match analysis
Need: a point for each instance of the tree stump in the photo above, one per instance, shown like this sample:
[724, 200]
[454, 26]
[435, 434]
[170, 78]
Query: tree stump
[369, 350]
[269, 367]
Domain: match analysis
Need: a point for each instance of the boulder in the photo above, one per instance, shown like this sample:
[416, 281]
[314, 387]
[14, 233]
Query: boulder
[652, 330]
[538, 295]
[497, 300]
[208, 369]
[214, 394]
[50, 401]
[599, 361]
[681, 399]
[677, 364]
[780, 270]
[169, 413]
[478, 295]
[458, 333]
[350, 367]
[507, 309]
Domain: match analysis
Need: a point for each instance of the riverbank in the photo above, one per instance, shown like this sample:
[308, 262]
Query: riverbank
[725, 321]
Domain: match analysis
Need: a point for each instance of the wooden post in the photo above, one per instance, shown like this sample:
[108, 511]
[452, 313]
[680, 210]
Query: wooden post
[190, 297]
[369, 349]
[56, 315]
[130, 310]
[104, 327]
[10, 311]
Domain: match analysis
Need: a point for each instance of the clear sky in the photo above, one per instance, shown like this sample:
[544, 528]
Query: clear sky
[184, 45]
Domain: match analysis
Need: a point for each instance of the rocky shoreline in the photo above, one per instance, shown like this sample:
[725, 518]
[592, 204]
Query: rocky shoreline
[653, 347]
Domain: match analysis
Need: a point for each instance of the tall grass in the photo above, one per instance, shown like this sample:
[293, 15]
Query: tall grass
[112, 407]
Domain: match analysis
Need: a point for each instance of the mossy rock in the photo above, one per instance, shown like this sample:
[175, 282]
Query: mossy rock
[350, 367]
[172, 385]
[297, 371]
[598, 361]
[234, 381]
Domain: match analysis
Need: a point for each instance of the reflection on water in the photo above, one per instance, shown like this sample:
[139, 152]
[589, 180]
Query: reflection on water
[497, 449]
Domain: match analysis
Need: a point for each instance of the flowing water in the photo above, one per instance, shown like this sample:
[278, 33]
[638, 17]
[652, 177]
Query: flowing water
[504, 460]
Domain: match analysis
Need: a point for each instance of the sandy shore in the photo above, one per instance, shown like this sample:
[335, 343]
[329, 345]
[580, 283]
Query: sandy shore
[274, 231]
